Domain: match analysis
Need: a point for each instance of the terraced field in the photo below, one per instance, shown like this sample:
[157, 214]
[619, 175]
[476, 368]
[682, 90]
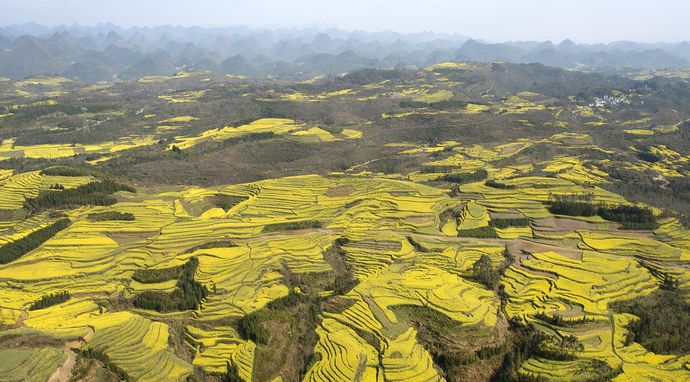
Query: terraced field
[568, 268]
[29, 365]
[53, 151]
[396, 226]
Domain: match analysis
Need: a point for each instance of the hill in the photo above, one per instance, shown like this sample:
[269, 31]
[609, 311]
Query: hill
[108, 52]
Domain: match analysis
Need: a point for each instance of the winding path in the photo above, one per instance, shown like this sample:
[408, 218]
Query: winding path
[64, 371]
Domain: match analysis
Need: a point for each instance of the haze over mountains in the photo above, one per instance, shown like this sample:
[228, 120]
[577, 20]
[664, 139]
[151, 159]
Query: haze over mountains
[109, 52]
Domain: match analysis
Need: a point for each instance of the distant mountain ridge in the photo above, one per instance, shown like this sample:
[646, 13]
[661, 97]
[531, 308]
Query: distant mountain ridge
[108, 52]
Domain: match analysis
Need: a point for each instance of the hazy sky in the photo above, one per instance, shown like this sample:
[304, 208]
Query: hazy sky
[494, 20]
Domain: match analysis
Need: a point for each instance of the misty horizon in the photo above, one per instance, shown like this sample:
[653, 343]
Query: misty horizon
[586, 22]
[56, 28]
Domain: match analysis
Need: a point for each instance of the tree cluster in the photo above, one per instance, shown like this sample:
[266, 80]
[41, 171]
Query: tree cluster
[66, 171]
[630, 217]
[487, 232]
[528, 341]
[252, 327]
[496, 184]
[95, 193]
[484, 272]
[186, 296]
[572, 205]
[475, 176]
[18, 248]
[557, 320]
[664, 322]
[509, 222]
[159, 275]
[345, 277]
[50, 300]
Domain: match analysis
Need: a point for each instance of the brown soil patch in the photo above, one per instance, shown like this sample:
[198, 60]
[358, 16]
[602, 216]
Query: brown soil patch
[514, 214]
[123, 238]
[421, 219]
[519, 246]
[340, 191]
[31, 340]
[512, 149]
[565, 224]
[63, 372]
[573, 311]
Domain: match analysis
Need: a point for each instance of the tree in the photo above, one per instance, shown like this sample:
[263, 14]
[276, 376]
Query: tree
[485, 273]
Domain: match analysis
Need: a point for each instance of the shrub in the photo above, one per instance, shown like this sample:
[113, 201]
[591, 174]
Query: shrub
[232, 374]
[412, 104]
[226, 202]
[226, 243]
[292, 226]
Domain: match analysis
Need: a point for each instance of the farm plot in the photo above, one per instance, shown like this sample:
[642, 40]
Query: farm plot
[406, 360]
[15, 189]
[391, 241]
[139, 346]
[55, 151]
[432, 287]
[267, 125]
[344, 355]
[34, 365]
[592, 283]
[220, 345]
[574, 169]
[628, 245]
